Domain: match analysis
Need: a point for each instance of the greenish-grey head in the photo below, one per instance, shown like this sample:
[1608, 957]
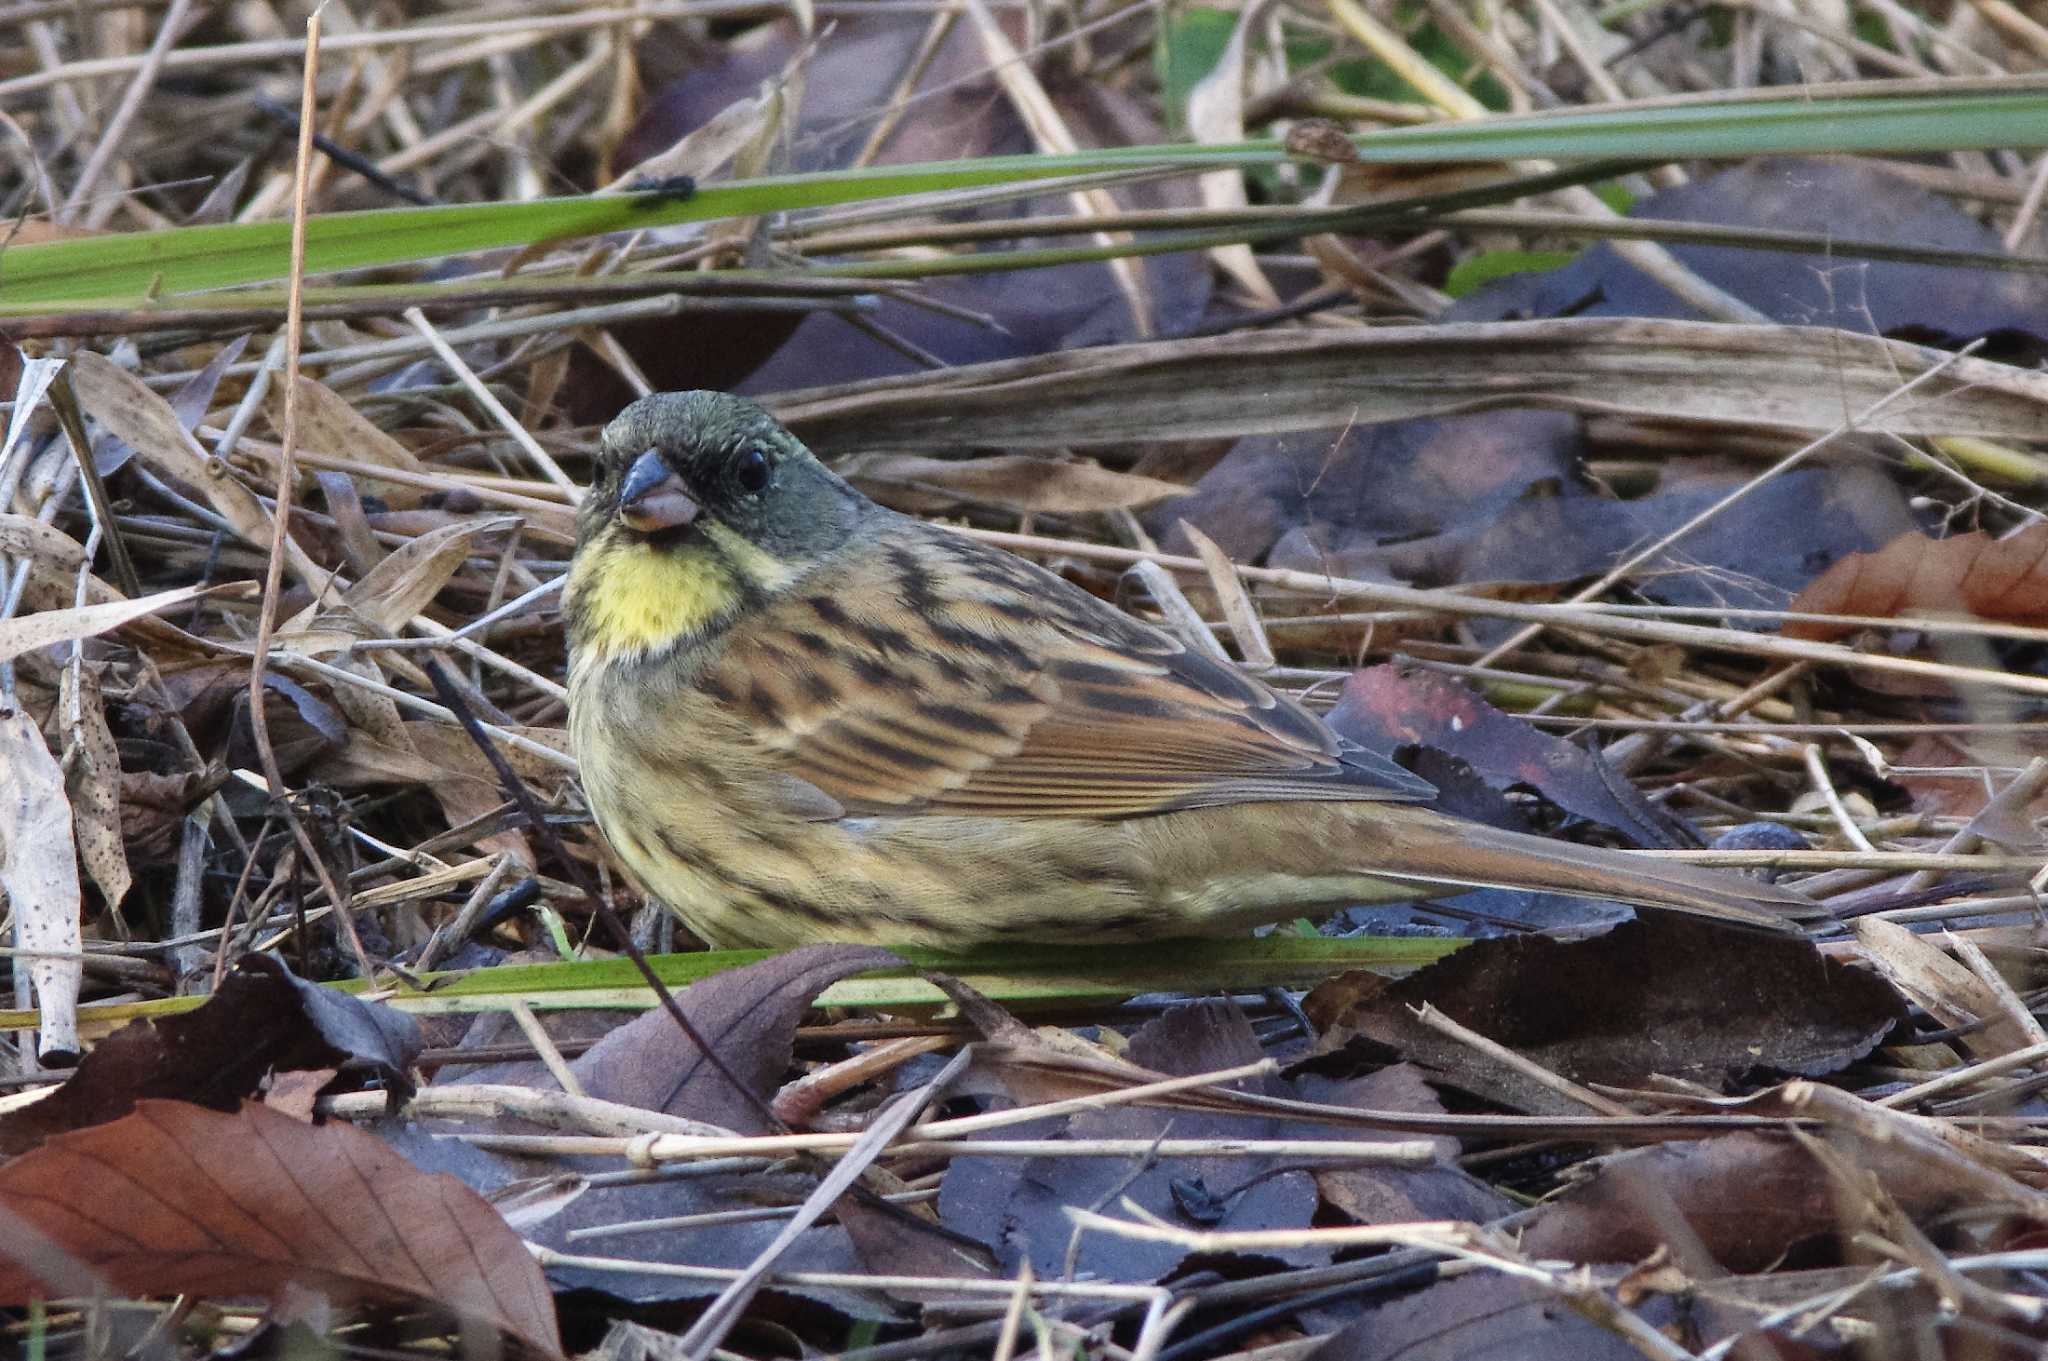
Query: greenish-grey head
[675, 464]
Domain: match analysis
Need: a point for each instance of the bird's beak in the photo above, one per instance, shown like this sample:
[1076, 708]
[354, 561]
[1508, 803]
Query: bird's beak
[652, 498]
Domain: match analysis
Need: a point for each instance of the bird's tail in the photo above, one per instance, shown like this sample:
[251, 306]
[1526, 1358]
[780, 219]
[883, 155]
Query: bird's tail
[1416, 845]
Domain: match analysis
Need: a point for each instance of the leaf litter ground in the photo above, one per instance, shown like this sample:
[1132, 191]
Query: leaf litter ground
[1654, 1139]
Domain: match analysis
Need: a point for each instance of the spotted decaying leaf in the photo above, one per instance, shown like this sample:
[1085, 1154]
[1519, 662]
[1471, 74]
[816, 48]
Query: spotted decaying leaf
[39, 875]
[95, 784]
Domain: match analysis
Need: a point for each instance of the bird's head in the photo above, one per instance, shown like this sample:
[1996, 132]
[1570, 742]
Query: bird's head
[701, 504]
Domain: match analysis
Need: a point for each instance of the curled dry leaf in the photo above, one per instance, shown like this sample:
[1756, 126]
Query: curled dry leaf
[1652, 996]
[176, 1199]
[1216, 117]
[1970, 575]
[1384, 708]
[39, 875]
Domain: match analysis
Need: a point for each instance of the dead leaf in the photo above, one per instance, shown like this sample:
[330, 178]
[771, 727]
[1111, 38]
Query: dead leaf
[329, 425]
[262, 1020]
[126, 406]
[1400, 1195]
[1019, 1206]
[398, 588]
[1843, 198]
[39, 874]
[1948, 990]
[94, 784]
[749, 1015]
[1384, 707]
[1216, 116]
[1018, 481]
[1741, 1200]
[1967, 576]
[1656, 995]
[54, 557]
[1272, 382]
[176, 1199]
[83, 621]
[1482, 1317]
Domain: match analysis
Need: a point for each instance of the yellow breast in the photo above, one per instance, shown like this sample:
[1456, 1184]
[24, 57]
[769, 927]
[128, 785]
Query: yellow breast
[633, 597]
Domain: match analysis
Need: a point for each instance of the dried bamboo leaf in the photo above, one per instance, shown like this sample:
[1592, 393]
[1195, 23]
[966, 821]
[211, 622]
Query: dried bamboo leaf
[1216, 117]
[1018, 481]
[329, 425]
[1791, 378]
[394, 592]
[1238, 610]
[54, 558]
[85, 621]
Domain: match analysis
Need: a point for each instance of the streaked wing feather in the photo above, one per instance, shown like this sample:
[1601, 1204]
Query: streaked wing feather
[1043, 701]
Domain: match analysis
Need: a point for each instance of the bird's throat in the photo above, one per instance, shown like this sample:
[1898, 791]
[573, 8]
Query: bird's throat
[628, 598]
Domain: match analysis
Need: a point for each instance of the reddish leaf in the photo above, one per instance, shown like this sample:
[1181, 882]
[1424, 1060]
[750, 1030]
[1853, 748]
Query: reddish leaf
[1384, 707]
[749, 1015]
[1970, 574]
[175, 1199]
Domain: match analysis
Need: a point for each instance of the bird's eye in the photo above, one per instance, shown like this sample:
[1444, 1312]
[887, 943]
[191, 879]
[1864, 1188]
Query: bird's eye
[753, 470]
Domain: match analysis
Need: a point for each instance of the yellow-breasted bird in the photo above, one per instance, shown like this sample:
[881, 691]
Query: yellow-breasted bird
[801, 717]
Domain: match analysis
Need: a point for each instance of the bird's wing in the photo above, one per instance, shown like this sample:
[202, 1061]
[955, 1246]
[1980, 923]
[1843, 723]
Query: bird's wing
[928, 673]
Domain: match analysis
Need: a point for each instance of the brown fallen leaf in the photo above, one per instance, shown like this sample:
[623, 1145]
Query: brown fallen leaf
[749, 1015]
[128, 408]
[1969, 574]
[176, 1199]
[329, 425]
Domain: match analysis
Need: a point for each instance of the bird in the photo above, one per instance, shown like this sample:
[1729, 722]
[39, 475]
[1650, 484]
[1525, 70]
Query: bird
[801, 716]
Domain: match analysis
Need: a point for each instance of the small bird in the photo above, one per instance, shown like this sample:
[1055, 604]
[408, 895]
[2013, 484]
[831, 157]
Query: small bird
[801, 716]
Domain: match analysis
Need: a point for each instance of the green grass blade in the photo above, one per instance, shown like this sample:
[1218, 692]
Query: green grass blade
[125, 269]
[1021, 977]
